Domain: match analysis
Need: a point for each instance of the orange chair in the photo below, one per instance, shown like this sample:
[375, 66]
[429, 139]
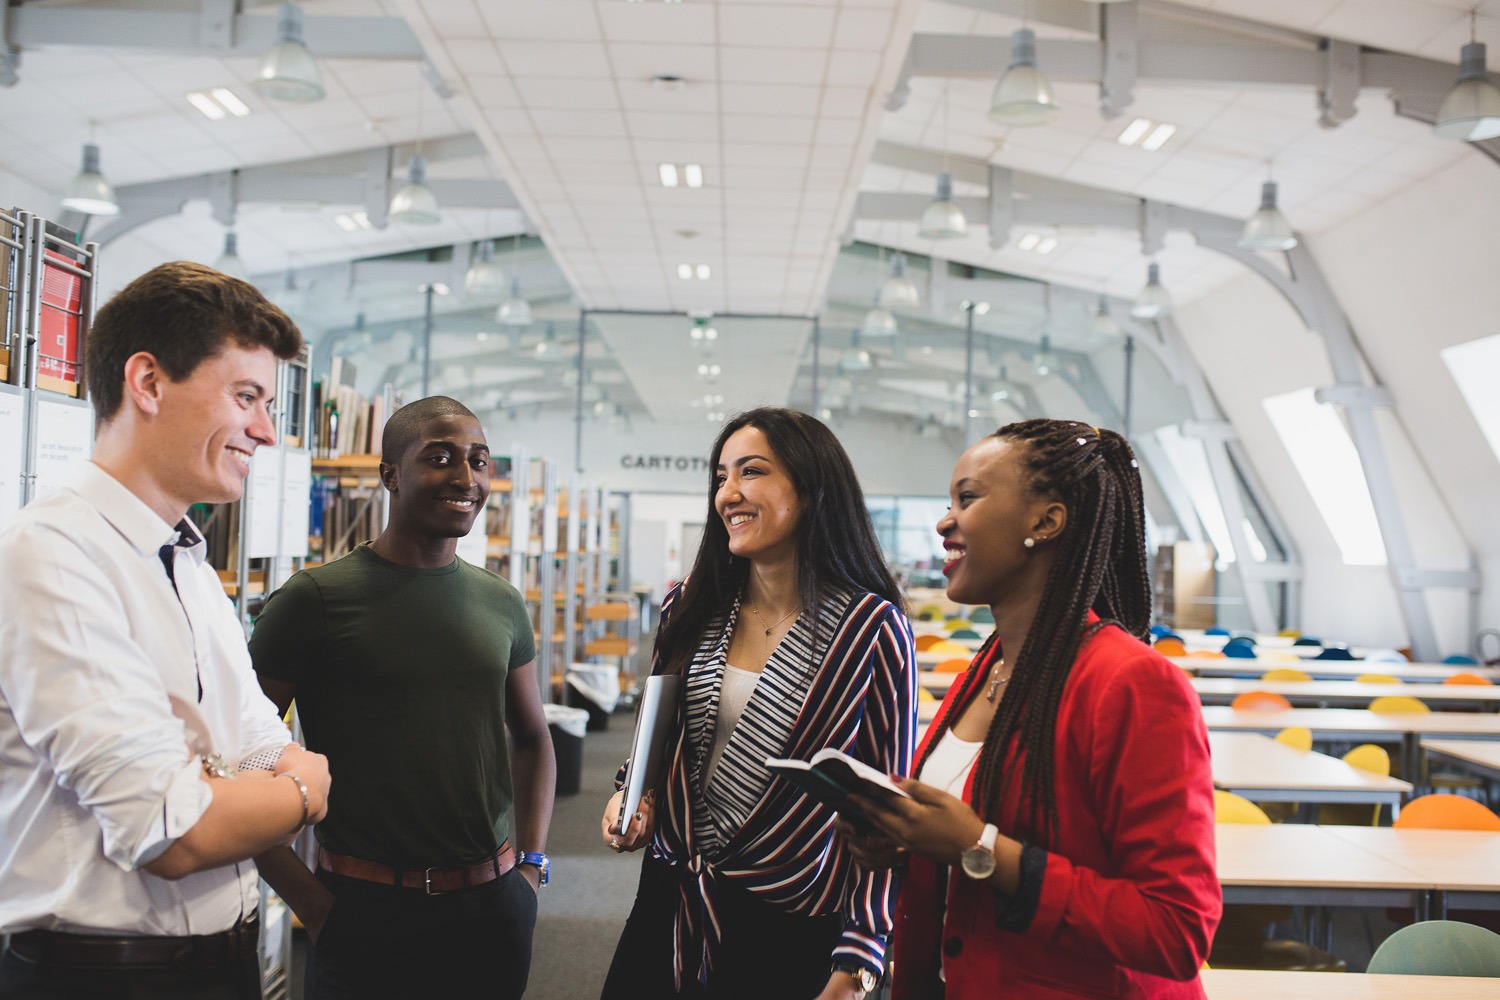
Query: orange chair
[1464, 677]
[1446, 812]
[1286, 674]
[953, 666]
[1260, 701]
[1170, 647]
[927, 641]
[1399, 704]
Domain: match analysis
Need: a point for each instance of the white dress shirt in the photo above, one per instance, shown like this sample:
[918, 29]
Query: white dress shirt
[102, 721]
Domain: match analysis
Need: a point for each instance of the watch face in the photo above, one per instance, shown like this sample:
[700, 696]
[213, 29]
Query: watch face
[978, 862]
[867, 981]
[216, 767]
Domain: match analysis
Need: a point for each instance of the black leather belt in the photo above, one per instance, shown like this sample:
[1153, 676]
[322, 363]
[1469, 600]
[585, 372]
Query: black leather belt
[199, 951]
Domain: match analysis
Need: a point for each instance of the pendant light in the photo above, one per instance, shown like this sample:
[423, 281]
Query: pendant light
[289, 72]
[484, 277]
[89, 192]
[547, 349]
[855, 358]
[943, 220]
[898, 289]
[1268, 229]
[515, 310]
[879, 322]
[1153, 302]
[1001, 394]
[1471, 110]
[1044, 362]
[1104, 324]
[415, 203]
[1023, 96]
[229, 261]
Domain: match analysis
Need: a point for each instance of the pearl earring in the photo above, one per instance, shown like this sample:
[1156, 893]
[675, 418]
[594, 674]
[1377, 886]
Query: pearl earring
[1028, 542]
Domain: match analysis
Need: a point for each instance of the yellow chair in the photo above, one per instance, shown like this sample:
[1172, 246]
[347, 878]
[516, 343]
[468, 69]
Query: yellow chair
[929, 613]
[1241, 941]
[1377, 679]
[1290, 633]
[1279, 656]
[944, 646]
[1398, 704]
[1286, 674]
[1366, 757]
[1296, 737]
[953, 624]
[925, 695]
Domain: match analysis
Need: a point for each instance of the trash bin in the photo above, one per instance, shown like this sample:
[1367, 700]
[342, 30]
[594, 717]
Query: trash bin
[567, 726]
[596, 690]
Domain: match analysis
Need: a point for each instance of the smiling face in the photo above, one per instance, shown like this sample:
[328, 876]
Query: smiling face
[992, 512]
[756, 499]
[209, 424]
[442, 480]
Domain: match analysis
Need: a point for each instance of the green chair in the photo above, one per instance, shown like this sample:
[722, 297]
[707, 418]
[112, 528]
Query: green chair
[963, 633]
[1439, 948]
[982, 616]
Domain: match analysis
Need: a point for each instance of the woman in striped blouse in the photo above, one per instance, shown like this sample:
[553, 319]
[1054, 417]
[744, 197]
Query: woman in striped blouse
[790, 636]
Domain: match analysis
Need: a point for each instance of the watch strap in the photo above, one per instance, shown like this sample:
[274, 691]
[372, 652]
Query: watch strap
[540, 862]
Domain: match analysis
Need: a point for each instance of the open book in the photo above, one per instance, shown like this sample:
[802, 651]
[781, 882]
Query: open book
[831, 776]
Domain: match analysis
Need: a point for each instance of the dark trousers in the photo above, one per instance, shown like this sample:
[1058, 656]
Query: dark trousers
[384, 941]
[23, 980]
[764, 952]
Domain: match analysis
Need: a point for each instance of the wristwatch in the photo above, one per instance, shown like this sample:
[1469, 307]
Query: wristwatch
[217, 767]
[540, 862]
[979, 860]
[865, 981]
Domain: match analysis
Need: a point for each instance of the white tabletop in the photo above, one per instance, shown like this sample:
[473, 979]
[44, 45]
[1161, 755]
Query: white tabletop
[1347, 693]
[1482, 756]
[1262, 769]
[1355, 722]
[1217, 666]
[1244, 984]
[1451, 860]
[1301, 856]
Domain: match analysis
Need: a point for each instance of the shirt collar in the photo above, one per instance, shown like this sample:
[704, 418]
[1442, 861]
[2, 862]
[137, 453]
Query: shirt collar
[141, 526]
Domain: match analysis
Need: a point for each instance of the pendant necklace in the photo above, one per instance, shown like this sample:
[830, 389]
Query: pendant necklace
[769, 629]
[996, 680]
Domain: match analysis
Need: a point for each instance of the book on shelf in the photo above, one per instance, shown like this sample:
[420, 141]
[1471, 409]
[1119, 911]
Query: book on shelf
[831, 776]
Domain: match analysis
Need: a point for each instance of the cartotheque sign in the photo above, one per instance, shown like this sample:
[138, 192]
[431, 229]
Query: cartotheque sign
[665, 463]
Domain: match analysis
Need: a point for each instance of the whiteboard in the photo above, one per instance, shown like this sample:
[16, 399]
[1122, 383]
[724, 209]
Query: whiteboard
[64, 434]
[263, 491]
[296, 508]
[12, 451]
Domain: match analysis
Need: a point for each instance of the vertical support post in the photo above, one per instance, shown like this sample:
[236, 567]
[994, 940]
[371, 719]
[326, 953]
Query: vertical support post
[577, 505]
[547, 580]
[817, 343]
[427, 341]
[968, 372]
[583, 320]
[520, 514]
[1129, 414]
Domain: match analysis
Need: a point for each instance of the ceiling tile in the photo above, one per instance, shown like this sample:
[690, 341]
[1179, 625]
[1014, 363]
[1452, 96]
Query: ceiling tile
[543, 60]
[762, 99]
[685, 23]
[862, 30]
[643, 62]
[803, 27]
[554, 20]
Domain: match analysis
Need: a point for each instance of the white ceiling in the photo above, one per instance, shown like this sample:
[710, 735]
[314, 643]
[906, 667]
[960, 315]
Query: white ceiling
[781, 104]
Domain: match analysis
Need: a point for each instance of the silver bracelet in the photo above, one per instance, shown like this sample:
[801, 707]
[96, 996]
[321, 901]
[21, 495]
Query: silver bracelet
[306, 804]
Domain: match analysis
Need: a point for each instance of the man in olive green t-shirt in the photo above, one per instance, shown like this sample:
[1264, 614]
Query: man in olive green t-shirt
[408, 665]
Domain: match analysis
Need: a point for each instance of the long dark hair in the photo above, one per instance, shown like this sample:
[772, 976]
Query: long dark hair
[836, 542]
[1100, 566]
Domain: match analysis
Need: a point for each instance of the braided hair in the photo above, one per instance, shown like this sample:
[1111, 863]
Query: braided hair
[1100, 566]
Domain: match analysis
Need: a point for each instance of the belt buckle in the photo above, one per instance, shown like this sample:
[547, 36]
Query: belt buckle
[427, 882]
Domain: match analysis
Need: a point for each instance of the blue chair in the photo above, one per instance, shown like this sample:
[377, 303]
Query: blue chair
[1241, 640]
[1334, 653]
[1216, 630]
[982, 615]
[1307, 640]
[963, 633]
[1157, 631]
[1239, 651]
[1439, 948]
[1245, 635]
[1459, 658]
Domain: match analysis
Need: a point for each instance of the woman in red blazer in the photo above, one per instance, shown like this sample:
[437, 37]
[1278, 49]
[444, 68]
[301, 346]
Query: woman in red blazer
[1059, 841]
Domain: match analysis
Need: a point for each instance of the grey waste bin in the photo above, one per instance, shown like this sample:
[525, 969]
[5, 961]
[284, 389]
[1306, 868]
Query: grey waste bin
[567, 727]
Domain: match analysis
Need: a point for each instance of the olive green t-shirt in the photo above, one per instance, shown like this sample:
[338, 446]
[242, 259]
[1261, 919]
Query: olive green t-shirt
[400, 676]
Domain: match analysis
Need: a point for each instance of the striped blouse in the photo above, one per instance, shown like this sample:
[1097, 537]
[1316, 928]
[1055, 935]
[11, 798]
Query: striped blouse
[847, 680]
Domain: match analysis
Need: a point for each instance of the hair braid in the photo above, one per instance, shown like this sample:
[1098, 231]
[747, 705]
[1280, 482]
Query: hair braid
[1100, 566]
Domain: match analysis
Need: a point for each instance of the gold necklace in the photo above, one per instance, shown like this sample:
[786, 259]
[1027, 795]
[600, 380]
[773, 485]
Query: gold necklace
[756, 612]
[996, 680]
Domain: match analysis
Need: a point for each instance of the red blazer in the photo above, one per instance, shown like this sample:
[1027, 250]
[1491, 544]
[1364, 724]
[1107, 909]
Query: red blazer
[1131, 897]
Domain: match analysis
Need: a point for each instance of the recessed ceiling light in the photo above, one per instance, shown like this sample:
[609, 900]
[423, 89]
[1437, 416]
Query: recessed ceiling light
[1134, 131]
[704, 273]
[685, 272]
[353, 221]
[230, 101]
[220, 102]
[1029, 241]
[207, 105]
[668, 81]
[668, 173]
[1158, 137]
[1047, 245]
[693, 175]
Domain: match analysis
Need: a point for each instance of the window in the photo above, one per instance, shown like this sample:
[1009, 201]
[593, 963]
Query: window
[1190, 462]
[1475, 366]
[1324, 456]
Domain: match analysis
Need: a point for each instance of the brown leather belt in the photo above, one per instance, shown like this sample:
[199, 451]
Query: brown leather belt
[201, 951]
[432, 880]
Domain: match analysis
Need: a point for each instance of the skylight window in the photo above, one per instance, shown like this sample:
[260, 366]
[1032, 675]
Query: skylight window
[1325, 458]
[1475, 366]
[1190, 462]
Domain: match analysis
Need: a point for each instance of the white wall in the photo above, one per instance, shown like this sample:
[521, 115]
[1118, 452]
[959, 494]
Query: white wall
[1414, 275]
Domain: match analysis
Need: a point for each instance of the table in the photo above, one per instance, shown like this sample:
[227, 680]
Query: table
[1462, 867]
[1361, 724]
[1261, 769]
[1349, 694]
[1241, 984]
[1304, 865]
[1330, 670]
[1479, 757]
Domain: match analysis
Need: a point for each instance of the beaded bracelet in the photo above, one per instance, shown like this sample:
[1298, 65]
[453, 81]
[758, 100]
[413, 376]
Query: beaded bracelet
[306, 804]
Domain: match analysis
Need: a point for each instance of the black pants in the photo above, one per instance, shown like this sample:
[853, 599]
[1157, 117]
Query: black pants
[383, 941]
[764, 952]
[23, 980]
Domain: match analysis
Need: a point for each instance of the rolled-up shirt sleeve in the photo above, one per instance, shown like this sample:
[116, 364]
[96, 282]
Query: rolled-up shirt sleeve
[89, 703]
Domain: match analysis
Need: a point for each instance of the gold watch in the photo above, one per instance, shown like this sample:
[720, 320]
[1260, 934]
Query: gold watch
[217, 767]
[864, 980]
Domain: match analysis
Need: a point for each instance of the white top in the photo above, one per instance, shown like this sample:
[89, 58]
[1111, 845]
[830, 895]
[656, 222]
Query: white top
[949, 764]
[734, 695]
[101, 722]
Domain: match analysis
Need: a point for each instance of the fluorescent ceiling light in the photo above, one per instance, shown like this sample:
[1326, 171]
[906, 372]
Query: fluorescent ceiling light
[207, 105]
[692, 174]
[1134, 132]
[703, 272]
[685, 272]
[1029, 241]
[1048, 244]
[668, 173]
[1147, 134]
[230, 101]
[1158, 137]
[351, 222]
